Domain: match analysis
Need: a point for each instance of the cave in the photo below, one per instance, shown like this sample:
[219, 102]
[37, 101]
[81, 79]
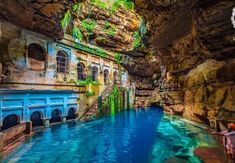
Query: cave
[105, 57]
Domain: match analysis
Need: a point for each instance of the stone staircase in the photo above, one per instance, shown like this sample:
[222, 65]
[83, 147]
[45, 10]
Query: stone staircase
[92, 111]
[142, 98]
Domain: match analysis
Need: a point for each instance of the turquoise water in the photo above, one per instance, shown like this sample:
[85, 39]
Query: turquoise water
[135, 136]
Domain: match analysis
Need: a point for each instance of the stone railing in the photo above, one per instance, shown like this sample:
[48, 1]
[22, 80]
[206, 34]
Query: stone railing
[94, 106]
[9, 135]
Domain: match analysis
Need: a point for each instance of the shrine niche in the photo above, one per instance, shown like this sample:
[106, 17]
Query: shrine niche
[36, 57]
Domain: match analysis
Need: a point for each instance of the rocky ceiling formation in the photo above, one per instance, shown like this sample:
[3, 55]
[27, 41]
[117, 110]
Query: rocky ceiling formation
[42, 16]
[112, 25]
[188, 51]
[195, 41]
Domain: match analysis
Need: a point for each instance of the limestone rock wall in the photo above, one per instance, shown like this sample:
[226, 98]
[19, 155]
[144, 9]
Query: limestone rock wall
[195, 43]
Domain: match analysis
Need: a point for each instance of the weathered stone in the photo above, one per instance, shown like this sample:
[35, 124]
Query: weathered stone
[189, 97]
[217, 98]
[204, 73]
[199, 95]
[210, 155]
[227, 73]
[199, 109]
[229, 103]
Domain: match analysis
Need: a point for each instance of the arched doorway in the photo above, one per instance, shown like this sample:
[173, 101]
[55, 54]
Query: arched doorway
[56, 116]
[71, 114]
[81, 71]
[106, 76]
[10, 121]
[94, 72]
[36, 118]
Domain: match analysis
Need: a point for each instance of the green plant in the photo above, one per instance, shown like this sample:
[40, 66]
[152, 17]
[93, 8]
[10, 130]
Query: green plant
[128, 5]
[137, 39]
[118, 57]
[85, 82]
[77, 33]
[100, 4]
[89, 24]
[97, 51]
[89, 93]
[107, 25]
[109, 29]
[66, 19]
[76, 7]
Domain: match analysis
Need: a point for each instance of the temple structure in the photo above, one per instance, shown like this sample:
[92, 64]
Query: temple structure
[51, 81]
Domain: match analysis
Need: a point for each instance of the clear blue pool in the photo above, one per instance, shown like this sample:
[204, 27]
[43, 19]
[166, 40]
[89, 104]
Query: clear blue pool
[135, 136]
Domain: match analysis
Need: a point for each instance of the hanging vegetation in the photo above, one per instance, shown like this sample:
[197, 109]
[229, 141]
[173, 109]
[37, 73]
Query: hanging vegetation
[67, 18]
[88, 24]
[137, 40]
[76, 7]
[76, 33]
[94, 50]
[127, 4]
[90, 93]
[85, 82]
[118, 57]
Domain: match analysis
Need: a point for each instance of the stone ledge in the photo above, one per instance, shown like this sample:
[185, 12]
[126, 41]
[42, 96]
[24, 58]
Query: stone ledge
[211, 155]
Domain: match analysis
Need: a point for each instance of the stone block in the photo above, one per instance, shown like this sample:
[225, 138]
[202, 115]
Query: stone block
[29, 127]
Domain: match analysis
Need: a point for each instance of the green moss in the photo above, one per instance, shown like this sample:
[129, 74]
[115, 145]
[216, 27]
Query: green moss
[85, 82]
[76, 7]
[97, 51]
[77, 33]
[107, 25]
[128, 5]
[89, 24]
[137, 40]
[90, 93]
[118, 57]
[67, 18]
[110, 29]
[100, 4]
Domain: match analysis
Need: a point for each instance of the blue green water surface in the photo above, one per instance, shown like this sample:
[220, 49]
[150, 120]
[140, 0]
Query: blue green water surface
[135, 136]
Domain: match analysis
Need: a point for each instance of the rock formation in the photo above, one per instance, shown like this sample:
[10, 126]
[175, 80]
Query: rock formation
[191, 40]
[195, 40]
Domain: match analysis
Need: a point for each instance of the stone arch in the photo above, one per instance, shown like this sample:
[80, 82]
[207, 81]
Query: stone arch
[71, 113]
[36, 118]
[10, 121]
[56, 116]
[36, 57]
[62, 60]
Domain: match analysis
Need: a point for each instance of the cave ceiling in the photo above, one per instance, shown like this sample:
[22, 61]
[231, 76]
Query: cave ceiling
[178, 34]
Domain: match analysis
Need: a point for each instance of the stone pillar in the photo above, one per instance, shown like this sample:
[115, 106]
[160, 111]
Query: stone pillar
[64, 119]
[29, 127]
[46, 122]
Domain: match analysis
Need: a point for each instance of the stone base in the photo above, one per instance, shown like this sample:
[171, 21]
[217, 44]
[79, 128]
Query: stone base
[29, 127]
[46, 122]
